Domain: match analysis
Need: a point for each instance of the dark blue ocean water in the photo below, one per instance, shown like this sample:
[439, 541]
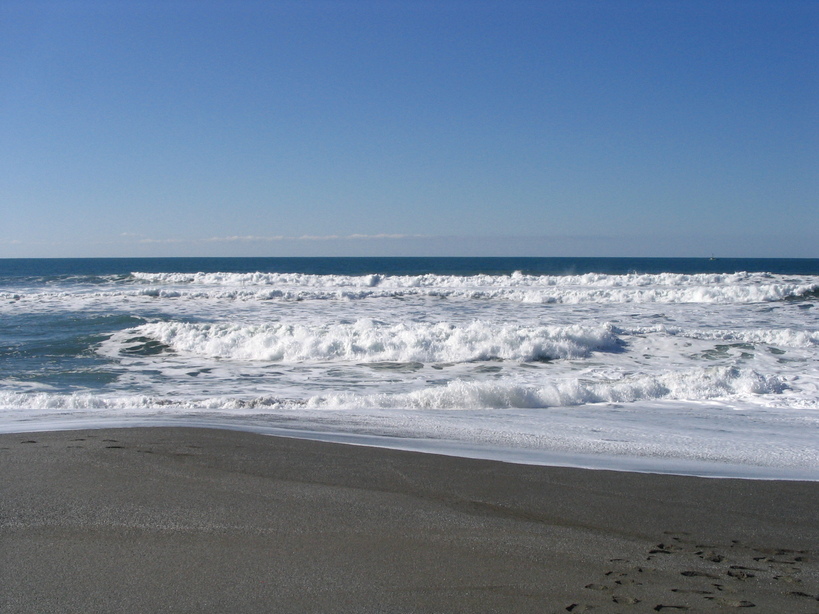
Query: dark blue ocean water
[50, 268]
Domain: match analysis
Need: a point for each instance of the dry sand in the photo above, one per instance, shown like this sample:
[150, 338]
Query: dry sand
[198, 520]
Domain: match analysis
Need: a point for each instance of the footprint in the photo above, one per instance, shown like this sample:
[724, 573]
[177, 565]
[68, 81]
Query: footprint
[690, 590]
[663, 548]
[698, 574]
[710, 556]
[625, 600]
[732, 603]
[597, 587]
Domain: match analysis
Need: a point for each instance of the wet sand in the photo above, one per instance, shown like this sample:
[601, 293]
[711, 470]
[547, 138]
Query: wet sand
[198, 520]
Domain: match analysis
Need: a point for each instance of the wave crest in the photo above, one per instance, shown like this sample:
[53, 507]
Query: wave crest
[570, 289]
[696, 385]
[369, 341]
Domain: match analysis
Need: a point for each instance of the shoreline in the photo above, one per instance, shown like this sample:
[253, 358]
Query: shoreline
[193, 519]
[565, 458]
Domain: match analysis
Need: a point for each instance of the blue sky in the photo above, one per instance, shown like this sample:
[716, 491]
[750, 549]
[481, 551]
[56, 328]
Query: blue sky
[597, 128]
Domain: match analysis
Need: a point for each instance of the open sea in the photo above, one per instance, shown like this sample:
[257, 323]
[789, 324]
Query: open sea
[693, 366]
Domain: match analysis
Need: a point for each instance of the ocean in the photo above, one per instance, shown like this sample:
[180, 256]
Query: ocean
[693, 366]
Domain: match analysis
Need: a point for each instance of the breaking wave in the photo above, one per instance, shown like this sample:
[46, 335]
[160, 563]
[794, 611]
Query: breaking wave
[545, 289]
[588, 288]
[785, 337]
[693, 385]
[369, 341]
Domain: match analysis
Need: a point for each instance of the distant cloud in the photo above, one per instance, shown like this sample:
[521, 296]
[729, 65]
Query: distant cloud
[163, 241]
[353, 237]
[243, 239]
[387, 236]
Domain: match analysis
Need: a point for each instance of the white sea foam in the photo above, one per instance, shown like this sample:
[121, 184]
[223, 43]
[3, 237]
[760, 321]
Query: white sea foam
[696, 385]
[569, 289]
[666, 288]
[780, 337]
[505, 421]
[469, 281]
[370, 341]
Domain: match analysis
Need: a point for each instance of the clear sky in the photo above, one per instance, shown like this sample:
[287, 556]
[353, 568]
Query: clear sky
[552, 128]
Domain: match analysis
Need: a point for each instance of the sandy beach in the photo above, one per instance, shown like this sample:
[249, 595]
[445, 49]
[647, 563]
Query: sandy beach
[198, 520]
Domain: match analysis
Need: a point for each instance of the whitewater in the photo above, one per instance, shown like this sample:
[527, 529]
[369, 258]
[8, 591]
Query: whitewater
[692, 369]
